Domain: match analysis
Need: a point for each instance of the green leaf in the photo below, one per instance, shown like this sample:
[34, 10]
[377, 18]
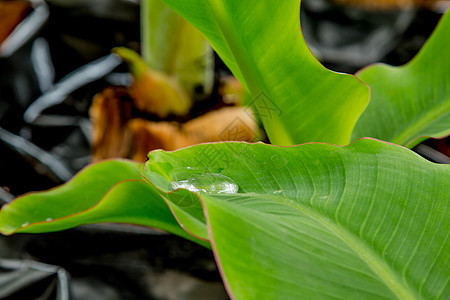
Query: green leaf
[173, 46]
[365, 221]
[411, 102]
[111, 191]
[261, 42]
[318, 221]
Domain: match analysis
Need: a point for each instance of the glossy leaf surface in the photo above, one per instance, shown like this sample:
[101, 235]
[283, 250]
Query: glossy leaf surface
[262, 44]
[111, 191]
[411, 102]
[365, 221]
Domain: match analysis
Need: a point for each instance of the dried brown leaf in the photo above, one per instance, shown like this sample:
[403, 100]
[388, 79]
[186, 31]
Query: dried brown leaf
[226, 124]
[110, 113]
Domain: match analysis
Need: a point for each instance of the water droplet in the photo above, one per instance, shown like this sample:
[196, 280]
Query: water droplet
[25, 224]
[277, 192]
[208, 183]
[49, 219]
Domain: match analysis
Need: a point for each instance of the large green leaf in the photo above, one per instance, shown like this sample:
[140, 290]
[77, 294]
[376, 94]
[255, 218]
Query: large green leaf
[111, 191]
[261, 42]
[413, 101]
[317, 221]
[365, 221]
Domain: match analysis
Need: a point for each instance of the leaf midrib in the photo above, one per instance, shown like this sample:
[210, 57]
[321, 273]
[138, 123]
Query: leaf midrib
[370, 257]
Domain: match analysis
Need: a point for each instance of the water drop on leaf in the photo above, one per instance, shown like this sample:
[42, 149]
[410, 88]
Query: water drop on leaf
[25, 224]
[208, 183]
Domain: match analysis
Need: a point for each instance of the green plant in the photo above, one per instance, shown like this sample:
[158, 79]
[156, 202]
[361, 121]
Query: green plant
[176, 60]
[173, 46]
[362, 221]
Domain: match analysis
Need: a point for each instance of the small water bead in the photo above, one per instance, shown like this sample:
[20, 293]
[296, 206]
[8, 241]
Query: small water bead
[188, 185]
[208, 183]
[25, 224]
[49, 219]
[277, 192]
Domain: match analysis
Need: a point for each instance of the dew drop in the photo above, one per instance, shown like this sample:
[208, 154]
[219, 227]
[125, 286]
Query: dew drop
[277, 192]
[49, 219]
[208, 183]
[25, 224]
[188, 184]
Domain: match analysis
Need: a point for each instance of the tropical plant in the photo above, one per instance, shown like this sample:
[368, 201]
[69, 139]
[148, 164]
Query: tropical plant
[176, 59]
[363, 221]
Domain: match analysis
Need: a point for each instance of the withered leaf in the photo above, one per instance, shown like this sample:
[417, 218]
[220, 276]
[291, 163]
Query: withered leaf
[225, 124]
[110, 113]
